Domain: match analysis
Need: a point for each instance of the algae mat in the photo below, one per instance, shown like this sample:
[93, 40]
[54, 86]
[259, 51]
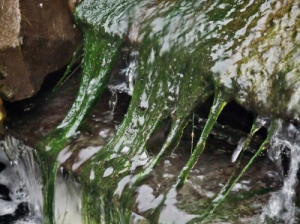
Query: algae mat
[247, 51]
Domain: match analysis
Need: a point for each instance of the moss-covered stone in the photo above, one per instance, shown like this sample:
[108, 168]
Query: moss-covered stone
[242, 50]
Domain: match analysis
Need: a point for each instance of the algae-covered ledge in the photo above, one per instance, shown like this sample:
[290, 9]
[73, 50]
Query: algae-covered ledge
[246, 51]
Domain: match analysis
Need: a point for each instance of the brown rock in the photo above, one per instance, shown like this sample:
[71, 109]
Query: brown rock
[10, 19]
[38, 38]
[73, 4]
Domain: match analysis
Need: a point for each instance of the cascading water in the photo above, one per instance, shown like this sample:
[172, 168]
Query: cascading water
[187, 51]
[21, 197]
[22, 180]
[281, 207]
[124, 81]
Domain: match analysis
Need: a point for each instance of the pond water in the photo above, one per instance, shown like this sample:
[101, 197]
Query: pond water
[33, 119]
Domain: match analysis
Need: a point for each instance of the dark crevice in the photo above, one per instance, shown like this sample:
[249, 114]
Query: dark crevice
[237, 117]
[159, 136]
[4, 193]
[2, 166]
[21, 212]
[34, 102]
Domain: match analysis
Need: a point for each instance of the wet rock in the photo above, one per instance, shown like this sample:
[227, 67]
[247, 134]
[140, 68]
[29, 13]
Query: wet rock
[37, 38]
[73, 4]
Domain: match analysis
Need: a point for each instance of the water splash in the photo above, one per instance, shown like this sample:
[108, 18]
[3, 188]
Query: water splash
[243, 144]
[67, 200]
[238, 150]
[125, 80]
[281, 206]
[22, 178]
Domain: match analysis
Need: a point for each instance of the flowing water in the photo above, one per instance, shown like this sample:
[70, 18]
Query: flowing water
[282, 206]
[21, 201]
[21, 188]
[173, 56]
[206, 179]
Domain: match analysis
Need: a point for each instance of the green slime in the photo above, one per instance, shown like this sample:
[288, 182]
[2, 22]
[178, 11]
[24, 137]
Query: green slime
[247, 51]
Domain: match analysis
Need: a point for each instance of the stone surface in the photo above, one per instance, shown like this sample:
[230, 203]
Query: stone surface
[37, 38]
[10, 19]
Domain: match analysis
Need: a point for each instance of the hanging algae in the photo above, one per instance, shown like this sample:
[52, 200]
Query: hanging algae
[157, 94]
[233, 180]
[100, 56]
[243, 50]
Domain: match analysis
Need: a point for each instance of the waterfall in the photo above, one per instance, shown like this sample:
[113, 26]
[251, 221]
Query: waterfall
[281, 207]
[21, 177]
[21, 200]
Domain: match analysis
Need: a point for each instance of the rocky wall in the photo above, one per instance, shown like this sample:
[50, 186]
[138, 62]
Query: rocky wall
[37, 37]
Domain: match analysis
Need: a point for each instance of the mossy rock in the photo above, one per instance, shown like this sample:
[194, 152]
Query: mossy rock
[247, 51]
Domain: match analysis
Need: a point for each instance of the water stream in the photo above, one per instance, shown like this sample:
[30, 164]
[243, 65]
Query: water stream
[282, 206]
